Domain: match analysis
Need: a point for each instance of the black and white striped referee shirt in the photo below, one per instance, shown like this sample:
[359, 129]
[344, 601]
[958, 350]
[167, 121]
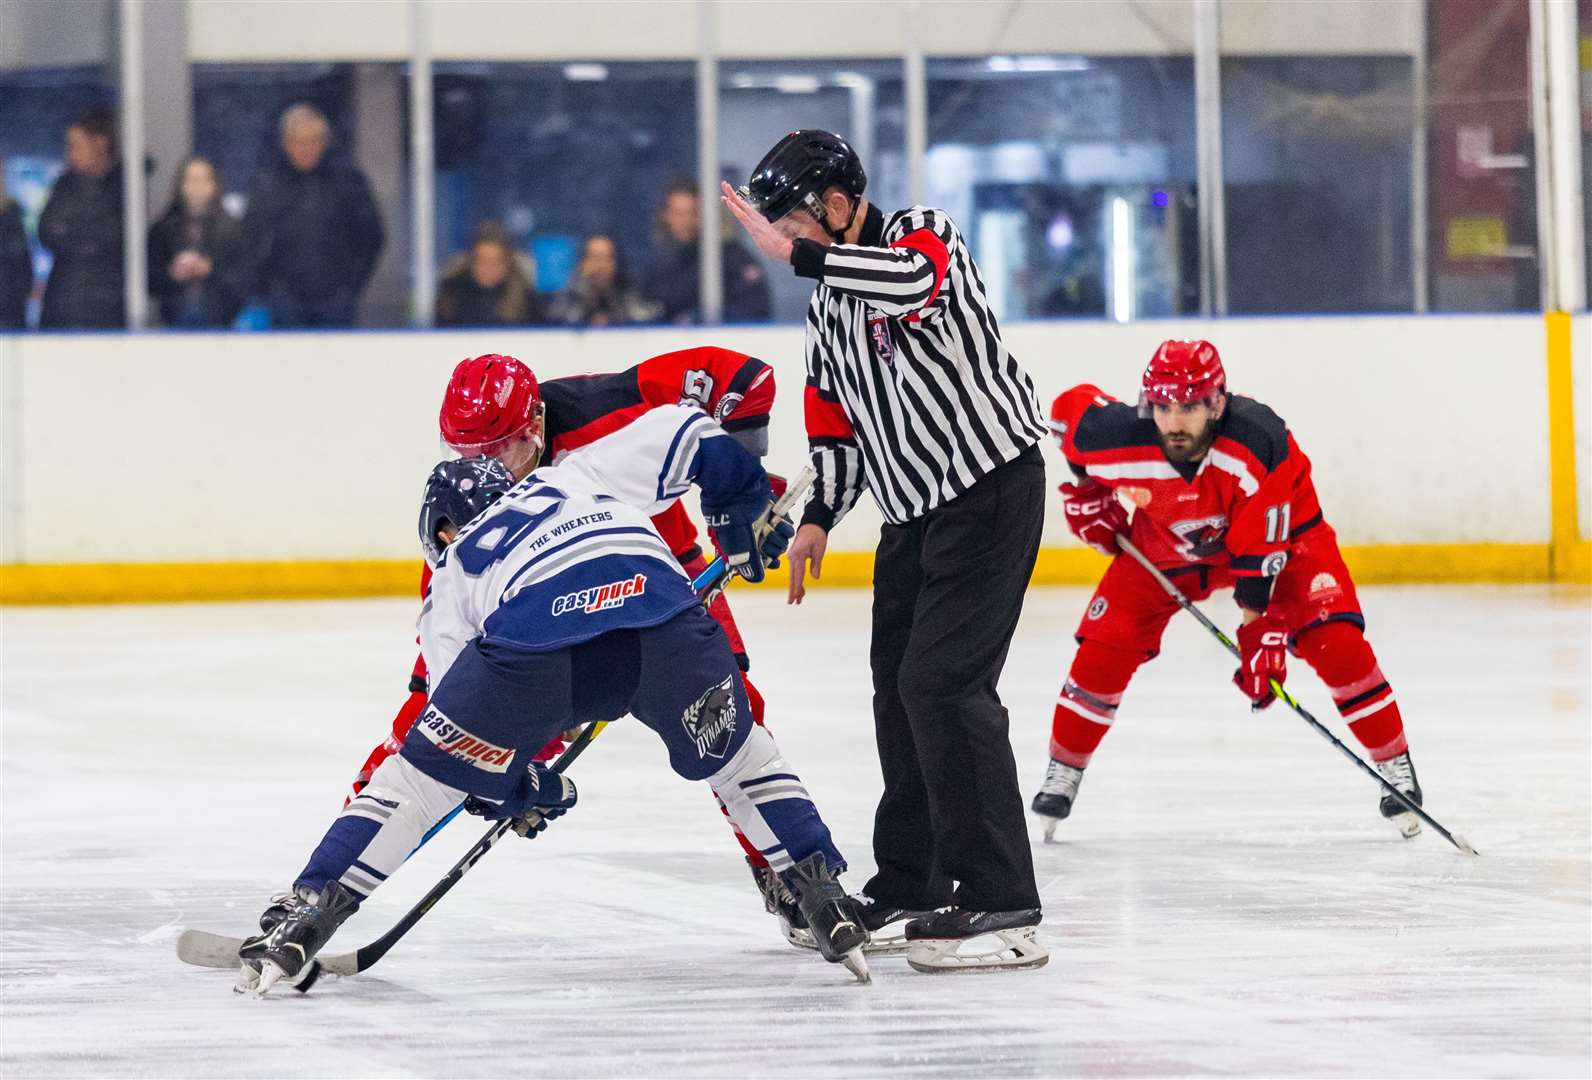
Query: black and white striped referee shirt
[910, 390]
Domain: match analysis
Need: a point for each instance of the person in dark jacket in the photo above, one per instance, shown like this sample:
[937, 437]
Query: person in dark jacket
[82, 227]
[491, 285]
[16, 266]
[312, 229]
[598, 293]
[197, 266]
[675, 281]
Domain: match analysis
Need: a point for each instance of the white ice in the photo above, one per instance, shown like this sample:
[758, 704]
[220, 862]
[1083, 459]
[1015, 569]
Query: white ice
[1226, 899]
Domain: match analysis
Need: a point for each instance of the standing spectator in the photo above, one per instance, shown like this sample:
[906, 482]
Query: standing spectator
[82, 226]
[912, 394]
[312, 229]
[16, 265]
[197, 267]
[491, 285]
[675, 283]
[597, 294]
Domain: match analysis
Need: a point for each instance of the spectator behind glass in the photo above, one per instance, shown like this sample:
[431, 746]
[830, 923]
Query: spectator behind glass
[312, 229]
[82, 227]
[597, 293]
[489, 285]
[675, 283]
[16, 264]
[197, 268]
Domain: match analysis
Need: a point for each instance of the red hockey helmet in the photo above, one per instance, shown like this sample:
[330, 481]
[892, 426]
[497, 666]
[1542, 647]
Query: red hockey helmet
[1182, 372]
[490, 399]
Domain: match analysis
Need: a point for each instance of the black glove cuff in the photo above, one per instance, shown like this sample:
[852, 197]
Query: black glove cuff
[818, 514]
[807, 256]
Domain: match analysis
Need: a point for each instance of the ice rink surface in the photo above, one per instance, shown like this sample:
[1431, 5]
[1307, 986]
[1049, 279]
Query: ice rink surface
[1225, 901]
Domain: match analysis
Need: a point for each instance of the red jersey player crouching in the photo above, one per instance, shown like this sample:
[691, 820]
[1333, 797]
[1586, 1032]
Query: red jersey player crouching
[1223, 497]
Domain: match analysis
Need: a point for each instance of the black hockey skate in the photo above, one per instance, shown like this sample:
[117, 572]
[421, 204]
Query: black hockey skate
[831, 915]
[1400, 772]
[300, 923]
[935, 940]
[1056, 795]
[780, 902]
[886, 925]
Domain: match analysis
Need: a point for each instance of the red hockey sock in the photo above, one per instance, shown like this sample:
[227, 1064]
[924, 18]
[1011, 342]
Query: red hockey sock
[755, 699]
[1344, 660]
[1089, 700]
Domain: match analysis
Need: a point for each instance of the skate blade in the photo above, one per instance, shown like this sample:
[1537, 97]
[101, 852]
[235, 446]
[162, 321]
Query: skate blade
[887, 946]
[797, 937]
[248, 980]
[1019, 949]
[1409, 825]
[857, 965]
[1050, 829]
[270, 975]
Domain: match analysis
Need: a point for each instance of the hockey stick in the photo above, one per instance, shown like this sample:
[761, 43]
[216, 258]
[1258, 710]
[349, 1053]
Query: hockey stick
[1286, 698]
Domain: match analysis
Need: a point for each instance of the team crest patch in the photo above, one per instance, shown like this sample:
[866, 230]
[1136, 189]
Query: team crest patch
[879, 338]
[710, 720]
[1274, 563]
[1140, 497]
[1323, 584]
[1098, 607]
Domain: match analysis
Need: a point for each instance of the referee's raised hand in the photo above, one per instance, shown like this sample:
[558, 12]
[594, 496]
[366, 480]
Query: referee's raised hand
[765, 235]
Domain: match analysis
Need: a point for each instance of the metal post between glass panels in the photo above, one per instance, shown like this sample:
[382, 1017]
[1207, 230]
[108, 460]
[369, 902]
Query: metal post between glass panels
[710, 253]
[135, 201]
[422, 166]
[1419, 255]
[915, 96]
[1208, 154]
[1556, 127]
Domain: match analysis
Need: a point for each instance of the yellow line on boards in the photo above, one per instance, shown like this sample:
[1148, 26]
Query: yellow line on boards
[137, 583]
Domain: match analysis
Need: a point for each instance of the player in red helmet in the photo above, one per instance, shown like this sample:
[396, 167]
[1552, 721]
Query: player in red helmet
[1222, 497]
[495, 406]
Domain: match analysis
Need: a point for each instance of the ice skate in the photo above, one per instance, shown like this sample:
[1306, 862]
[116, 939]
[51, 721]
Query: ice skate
[1400, 772]
[284, 952]
[935, 942]
[886, 925]
[780, 902]
[1056, 795]
[831, 915]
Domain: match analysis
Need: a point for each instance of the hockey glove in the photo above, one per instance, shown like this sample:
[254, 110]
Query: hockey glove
[1263, 650]
[731, 527]
[1094, 515]
[539, 797]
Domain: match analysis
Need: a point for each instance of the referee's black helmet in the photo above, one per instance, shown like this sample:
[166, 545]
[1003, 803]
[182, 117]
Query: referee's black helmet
[799, 169]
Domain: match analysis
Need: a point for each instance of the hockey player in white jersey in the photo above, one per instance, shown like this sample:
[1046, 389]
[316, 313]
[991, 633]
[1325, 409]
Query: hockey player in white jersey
[561, 605]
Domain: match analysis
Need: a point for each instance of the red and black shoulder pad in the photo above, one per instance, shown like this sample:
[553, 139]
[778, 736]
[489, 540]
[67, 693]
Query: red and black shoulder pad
[1257, 429]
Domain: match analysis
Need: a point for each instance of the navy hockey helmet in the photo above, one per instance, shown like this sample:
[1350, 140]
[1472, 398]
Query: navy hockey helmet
[456, 491]
[799, 169]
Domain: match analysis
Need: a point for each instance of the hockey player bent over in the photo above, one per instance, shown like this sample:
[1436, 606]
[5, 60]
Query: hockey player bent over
[561, 605]
[1224, 498]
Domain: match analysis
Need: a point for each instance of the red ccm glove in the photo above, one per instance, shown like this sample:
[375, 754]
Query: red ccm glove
[1263, 656]
[1094, 515]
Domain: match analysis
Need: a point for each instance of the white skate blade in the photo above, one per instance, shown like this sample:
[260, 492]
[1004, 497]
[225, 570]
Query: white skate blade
[270, 975]
[888, 944]
[1408, 824]
[1050, 829]
[857, 965]
[248, 980]
[1019, 948]
[798, 938]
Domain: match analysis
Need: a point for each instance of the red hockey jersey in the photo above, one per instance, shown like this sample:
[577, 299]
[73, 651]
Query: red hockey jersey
[1242, 505]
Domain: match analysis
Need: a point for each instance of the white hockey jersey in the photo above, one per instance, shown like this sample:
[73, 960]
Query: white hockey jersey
[570, 552]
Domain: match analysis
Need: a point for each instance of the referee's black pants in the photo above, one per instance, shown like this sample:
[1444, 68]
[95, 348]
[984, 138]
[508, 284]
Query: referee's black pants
[947, 591]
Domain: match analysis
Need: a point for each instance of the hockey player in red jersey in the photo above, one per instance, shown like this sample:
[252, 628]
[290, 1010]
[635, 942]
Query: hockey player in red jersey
[495, 406]
[1223, 498]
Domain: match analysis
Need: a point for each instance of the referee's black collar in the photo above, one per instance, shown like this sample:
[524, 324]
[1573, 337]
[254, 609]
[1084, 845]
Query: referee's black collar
[872, 227]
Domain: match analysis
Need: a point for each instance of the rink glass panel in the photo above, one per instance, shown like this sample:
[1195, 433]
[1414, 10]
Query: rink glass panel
[860, 99]
[1072, 179]
[558, 151]
[237, 112]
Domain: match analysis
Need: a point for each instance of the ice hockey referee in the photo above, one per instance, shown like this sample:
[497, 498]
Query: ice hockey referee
[912, 394]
